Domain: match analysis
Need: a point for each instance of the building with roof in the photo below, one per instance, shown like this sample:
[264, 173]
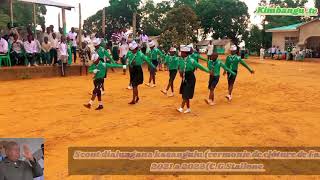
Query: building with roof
[221, 46]
[304, 35]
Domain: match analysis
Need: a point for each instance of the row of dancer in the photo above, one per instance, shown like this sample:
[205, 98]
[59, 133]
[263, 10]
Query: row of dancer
[185, 64]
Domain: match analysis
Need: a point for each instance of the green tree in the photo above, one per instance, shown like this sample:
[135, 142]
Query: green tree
[224, 18]
[254, 39]
[22, 14]
[183, 20]
[169, 38]
[153, 17]
[277, 21]
[118, 15]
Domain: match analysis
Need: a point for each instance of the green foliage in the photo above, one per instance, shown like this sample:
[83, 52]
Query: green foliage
[277, 21]
[22, 14]
[153, 16]
[118, 15]
[169, 38]
[254, 39]
[185, 21]
[224, 18]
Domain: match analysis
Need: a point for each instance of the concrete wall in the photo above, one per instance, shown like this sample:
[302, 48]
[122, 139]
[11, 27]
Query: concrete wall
[278, 38]
[16, 73]
[309, 30]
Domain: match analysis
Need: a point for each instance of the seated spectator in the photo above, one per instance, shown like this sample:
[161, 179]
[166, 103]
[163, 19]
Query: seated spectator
[54, 50]
[30, 47]
[11, 168]
[37, 54]
[46, 47]
[17, 57]
[3, 46]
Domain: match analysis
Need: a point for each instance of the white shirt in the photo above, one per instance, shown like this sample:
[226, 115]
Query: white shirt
[210, 49]
[3, 46]
[54, 43]
[144, 38]
[17, 46]
[124, 48]
[86, 39]
[73, 36]
[30, 47]
[273, 50]
[63, 49]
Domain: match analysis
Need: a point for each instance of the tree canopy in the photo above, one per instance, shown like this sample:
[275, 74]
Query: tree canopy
[22, 14]
[224, 18]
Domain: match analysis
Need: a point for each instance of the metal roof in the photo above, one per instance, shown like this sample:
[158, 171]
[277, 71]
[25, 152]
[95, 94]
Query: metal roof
[293, 27]
[49, 3]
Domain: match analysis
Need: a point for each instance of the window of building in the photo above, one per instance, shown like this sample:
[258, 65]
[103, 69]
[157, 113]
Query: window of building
[290, 42]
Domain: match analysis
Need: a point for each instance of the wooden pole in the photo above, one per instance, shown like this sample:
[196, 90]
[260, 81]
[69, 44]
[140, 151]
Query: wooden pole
[134, 24]
[64, 21]
[34, 20]
[11, 12]
[104, 21]
[59, 23]
[80, 26]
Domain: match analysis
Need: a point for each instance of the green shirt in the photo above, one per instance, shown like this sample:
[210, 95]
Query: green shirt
[172, 61]
[233, 61]
[215, 66]
[154, 53]
[196, 56]
[102, 69]
[102, 52]
[138, 59]
[189, 64]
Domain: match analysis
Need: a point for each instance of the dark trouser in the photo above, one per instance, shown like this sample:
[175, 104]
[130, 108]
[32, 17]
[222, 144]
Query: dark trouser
[37, 58]
[17, 58]
[53, 56]
[46, 58]
[74, 51]
[30, 58]
[98, 83]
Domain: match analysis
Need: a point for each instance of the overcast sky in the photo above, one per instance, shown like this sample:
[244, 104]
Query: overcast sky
[90, 7]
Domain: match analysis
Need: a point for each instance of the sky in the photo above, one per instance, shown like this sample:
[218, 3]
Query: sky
[90, 7]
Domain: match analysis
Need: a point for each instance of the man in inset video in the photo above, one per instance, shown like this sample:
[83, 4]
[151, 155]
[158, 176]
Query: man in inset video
[14, 169]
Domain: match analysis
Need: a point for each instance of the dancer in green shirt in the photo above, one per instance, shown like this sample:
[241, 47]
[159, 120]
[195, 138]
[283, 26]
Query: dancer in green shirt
[232, 63]
[172, 62]
[153, 55]
[214, 65]
[135, 60]
[99, 69]
[187, 66]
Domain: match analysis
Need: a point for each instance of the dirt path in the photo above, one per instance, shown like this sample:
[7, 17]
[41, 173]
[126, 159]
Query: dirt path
[278, 106]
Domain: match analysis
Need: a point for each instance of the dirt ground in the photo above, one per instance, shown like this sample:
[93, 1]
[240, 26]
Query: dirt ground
[277, 106]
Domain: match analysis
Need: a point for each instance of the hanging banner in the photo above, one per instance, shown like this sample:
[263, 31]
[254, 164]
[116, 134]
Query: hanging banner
[279, 11]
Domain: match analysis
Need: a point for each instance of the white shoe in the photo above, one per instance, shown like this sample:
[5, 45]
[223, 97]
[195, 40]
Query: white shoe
[153, 85]
[129, 87]
[147, 84]
[170, 95]
[187, 111]
[229, 97]
[29, 65]
[35, 64]
[180, 110]
[164, 92]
